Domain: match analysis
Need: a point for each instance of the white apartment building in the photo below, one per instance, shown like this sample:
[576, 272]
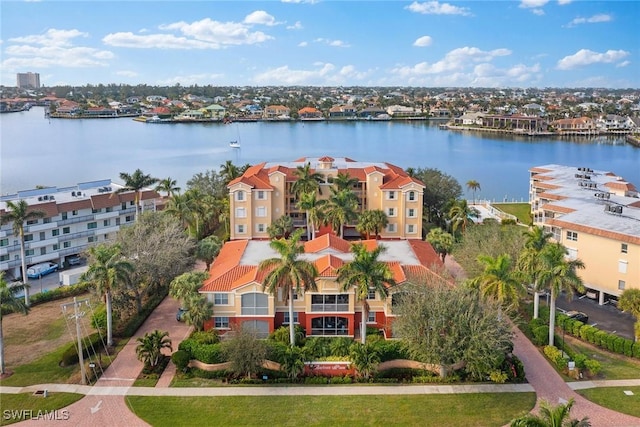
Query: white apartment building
[75, 218]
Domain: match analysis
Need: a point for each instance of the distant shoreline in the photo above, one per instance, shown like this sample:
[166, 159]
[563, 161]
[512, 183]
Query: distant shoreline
[522, 132]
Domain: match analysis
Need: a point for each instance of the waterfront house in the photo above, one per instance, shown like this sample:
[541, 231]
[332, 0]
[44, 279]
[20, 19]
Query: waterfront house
[235, 287]
[341, 112]
[274, 112]
[575, 126]
[263, 194]
[595, 214]
[76, 217]
[215, 111]
[310, 113]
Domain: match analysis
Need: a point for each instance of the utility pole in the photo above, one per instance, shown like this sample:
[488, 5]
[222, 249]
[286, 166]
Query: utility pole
[77, 315]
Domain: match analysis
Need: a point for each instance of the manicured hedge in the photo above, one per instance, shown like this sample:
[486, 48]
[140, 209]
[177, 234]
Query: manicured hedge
[89, 344]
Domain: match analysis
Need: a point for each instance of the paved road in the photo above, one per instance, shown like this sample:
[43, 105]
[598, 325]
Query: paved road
[605, 317]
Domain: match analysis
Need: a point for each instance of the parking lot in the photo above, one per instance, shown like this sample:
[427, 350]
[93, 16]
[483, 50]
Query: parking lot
[605, 317]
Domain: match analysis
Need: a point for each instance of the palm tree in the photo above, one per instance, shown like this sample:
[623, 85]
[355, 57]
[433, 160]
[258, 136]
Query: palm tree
[19, 213]
[529, 261]
[630, 301]
[280, 228]
[473, 185]
[149, 348]
[199, 310]
[343, 181]
[499, 281]
[306, 180]
[459, 215]
[208, 248]
[312, 206]
[181, 206]
[229, 172]
[107, 270]
[558, 274]
[169, 186]
[8, 301]
[136, 181]
[372, 222]
[292, 362]
[186, 285]
[441, 241]
[551, 416]
[289, 273]
[341, 210]
[365, 358]
[365, 273]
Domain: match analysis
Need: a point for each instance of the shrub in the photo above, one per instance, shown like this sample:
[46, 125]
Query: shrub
[391, 350]
[587, 333]
[498, 377]
[59, 293]
[618, 345]
[593, 366]
[316, 380]
[575, 327]
[600, 339]
[636, 350]
[555, 355]
[628, 348]
[208, 353]
[540, 335]
[128, 328]
[206, 337]
[611, 342]
[579, 359]
[181, 359]
[91, 344]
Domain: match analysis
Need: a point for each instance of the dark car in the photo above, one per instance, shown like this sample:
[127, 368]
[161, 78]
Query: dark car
[180, 314]
[578, 315]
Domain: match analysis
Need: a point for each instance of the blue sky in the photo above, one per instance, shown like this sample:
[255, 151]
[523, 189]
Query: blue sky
[527, 43]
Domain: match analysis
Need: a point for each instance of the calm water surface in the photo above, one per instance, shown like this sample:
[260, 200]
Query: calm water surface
[59, 152]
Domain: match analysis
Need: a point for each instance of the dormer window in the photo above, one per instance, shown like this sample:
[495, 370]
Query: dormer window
[240, 196]
[412, 196]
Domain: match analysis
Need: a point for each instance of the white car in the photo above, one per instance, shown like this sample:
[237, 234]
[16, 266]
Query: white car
[39, 270]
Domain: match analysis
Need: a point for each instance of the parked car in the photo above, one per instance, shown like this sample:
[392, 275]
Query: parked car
[180, 314]
[74, 260]
[578, 315]
[39, 270]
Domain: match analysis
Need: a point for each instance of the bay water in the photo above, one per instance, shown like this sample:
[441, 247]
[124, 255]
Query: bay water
[63, 152]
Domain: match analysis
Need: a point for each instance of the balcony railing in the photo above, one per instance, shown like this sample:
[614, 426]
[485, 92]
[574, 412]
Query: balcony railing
[329, 307]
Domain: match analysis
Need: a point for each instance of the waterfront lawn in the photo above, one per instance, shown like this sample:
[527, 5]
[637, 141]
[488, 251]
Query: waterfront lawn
[522, 211]
[614, 398]
[482, 409]
[14, 404]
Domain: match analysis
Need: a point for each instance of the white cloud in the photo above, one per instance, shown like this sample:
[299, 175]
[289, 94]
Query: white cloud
[218, 33]
[52, 48]
[300, 1]
[539, 12]
[155, 41]
[286, 76]
[303, 44]
[592, 20]
[334, 43]
[436, 8]
[260, 17]
[296, 26]
[423, 41]
[530, 4]
[623, 64]
[564, 2]
[587, 57]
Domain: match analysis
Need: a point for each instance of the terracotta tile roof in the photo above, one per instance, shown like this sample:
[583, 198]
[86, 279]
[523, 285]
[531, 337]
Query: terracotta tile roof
[357, 173]
[397, 271]
[327, 241]
[370, 244]
[556, 208]
[621, 185]
[101, 201]
[75, 205]
[149, 195]
[327, 265]
[230, 280]
[425, 253]
[547, 186]
[634, 205]
[552, 196]
[128, 196]
[594, 231]
[229, 256]
[50, 209]
[326, 159]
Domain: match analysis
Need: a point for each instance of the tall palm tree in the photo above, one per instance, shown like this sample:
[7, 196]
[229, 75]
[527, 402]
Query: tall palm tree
[343, 181]
[136, 181]
[289, 273]
[182, 207]
[19, 213]
[366, 273]
[306, 181]
[529, 261]
[186, 285]
[558, 273]
[474, 186]
[199, 310]
[107, 270]
[441, 241]
[313, 208]
[499, 281]
[169, 186]
[341, 210]
[551, 416]
[8, 301]
[372, 222]
[229, 171]
[459, 214]
[149, 348]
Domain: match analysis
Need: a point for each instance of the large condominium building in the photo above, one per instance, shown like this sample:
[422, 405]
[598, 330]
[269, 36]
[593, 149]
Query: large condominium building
[28, 80]
[263, 194]
[596, 216]
[74, 218]
[236, 287]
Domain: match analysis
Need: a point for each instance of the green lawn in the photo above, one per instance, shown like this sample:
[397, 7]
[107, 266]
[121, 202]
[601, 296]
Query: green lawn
[614, 398]
[411, 410]
[13, 406]
[614, 366]
[522, 211]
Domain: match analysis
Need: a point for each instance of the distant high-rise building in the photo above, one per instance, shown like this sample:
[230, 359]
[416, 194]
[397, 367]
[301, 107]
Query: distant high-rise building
[28, 80]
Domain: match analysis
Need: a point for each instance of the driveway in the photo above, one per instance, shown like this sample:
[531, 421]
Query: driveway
[605, 317]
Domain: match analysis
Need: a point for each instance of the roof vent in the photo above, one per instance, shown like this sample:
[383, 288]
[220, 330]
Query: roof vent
[73, 193]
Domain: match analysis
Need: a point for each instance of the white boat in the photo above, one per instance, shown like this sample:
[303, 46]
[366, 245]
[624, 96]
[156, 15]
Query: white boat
[234, 144]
